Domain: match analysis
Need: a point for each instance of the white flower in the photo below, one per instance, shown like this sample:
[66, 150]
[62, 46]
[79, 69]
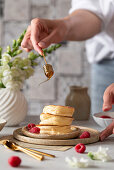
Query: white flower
[28, 71]
[26, 62]
[80, 163]
[5, 59]
[19, 62]
[6, 79]
[14, 85]
[101, 154]
[17, 74]
[6, 73]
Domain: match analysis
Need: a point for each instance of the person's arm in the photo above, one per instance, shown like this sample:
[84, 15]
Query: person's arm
[80, 25]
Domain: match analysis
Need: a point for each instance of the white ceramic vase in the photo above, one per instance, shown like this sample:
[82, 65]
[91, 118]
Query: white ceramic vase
[13, 106]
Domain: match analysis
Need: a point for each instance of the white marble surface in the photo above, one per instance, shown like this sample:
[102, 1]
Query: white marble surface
[57, 163]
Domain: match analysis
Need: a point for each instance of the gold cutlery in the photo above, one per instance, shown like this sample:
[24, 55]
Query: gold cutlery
[11, 145]
[42, 153]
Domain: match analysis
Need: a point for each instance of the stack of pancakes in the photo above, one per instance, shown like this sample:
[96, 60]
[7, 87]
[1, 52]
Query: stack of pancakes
[56, 120]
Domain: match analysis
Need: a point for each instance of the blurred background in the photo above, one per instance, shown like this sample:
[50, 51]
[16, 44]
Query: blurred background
[69, 61]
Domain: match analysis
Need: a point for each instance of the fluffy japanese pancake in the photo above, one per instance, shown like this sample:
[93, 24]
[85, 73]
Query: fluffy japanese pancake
[54, 130]
[59, 110]
[49, 119]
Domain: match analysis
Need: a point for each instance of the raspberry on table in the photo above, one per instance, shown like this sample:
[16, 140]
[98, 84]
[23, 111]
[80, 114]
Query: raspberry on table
[35, 130]
[80, 148]
[14, 161]
[85, 134]
[30, 125]
[105, 117]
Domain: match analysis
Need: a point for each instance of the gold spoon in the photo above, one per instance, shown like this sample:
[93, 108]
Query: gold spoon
[44, 58]
[11, 145]
[48, 70]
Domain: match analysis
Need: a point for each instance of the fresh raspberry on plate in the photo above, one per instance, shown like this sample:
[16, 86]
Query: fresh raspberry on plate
[14, 161]
[105, 117]
[80, 148]
[30, 125]
[35, 130]
[85, 134]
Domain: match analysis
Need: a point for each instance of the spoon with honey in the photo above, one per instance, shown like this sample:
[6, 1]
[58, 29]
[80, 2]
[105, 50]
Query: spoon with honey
[48, 70]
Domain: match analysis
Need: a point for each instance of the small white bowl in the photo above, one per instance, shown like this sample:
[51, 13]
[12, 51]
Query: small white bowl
[2, 123]
[103, 122]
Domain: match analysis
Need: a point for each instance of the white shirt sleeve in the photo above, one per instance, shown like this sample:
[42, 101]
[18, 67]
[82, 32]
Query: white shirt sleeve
[90, 5]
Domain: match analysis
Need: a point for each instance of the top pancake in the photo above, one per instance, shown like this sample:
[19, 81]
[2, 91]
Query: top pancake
[59, 110]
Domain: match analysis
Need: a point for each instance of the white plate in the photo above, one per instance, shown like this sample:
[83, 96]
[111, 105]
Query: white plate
[103, 122]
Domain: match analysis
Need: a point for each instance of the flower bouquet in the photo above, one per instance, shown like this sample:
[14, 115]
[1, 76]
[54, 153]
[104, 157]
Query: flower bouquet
[14, 70]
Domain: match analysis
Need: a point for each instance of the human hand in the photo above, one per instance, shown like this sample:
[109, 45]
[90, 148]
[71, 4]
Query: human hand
[108, 98]
[108, 101]
[41, 33]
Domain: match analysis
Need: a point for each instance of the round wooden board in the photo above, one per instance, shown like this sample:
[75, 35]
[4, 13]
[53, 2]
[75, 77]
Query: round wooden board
[51, 142]
[75, 132]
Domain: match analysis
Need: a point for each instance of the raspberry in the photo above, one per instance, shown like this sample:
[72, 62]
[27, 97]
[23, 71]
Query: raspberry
[14, 161]
[105, 117]
[31, 125]
[80, 148]
[85, 134]
[35, 130]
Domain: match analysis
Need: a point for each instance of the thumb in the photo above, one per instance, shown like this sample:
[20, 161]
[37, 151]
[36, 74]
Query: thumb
[107, 101]
[51, 38]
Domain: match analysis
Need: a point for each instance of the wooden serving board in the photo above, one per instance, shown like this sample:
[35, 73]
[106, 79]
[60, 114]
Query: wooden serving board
[73, 134]
[33, 146]
[54, 142]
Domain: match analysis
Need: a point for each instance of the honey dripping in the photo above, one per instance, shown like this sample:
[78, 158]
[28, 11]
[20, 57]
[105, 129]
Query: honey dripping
[48, 70]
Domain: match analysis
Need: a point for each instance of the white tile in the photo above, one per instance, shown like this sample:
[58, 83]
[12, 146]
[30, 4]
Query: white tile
[16, 10]
[13, 30]
[40, 2]
[1, 31]
[70, 59]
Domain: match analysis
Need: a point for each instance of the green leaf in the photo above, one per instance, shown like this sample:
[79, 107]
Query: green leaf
[16, 53]
[8, 49]
[0, 52]
[10, 64]
[2, 85]
[34, 63]
[14, 44]
[19, 42]
[32, 55]
[58, 45]
[90, 154]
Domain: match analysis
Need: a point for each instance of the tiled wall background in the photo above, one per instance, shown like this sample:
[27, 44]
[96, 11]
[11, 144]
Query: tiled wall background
[69, 61]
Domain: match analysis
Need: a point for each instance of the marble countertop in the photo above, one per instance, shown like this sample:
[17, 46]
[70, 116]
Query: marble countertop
[59, 161]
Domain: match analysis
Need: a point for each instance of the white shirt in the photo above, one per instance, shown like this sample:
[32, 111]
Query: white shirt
[101, 46]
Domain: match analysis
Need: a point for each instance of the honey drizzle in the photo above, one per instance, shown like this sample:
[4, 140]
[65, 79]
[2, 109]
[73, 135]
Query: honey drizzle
[48, 70]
